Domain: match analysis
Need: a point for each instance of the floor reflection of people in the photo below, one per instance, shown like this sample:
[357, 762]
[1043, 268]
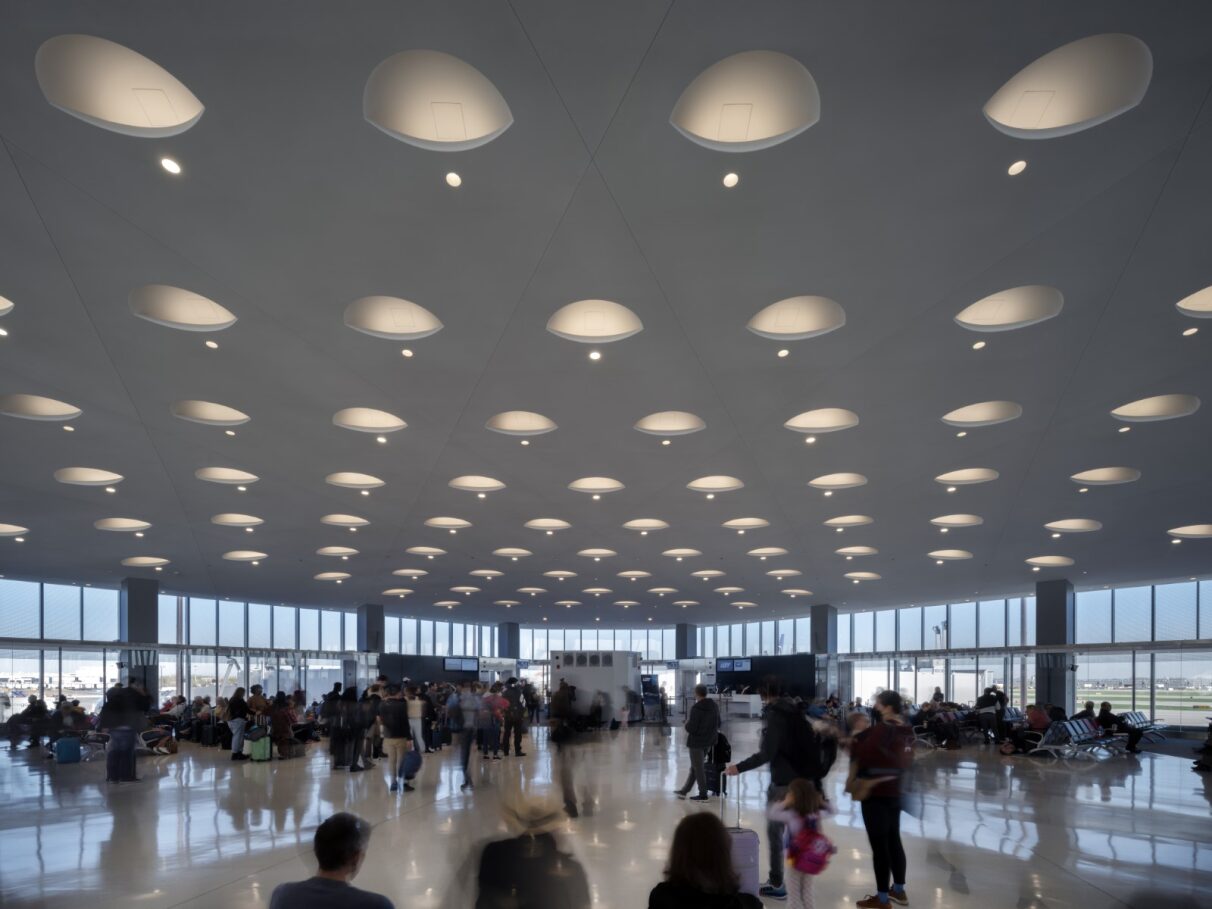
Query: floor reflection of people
[127, 861]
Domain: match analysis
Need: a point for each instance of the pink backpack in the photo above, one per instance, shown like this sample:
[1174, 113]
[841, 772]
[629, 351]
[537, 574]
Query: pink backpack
[810, 850]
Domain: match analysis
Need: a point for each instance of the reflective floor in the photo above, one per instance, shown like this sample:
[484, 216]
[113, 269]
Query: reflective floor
[198, 830]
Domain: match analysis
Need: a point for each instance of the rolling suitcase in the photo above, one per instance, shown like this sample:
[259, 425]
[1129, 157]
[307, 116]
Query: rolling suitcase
[120, 756]
[261, 749]
[207, 736]
[745, 848]
[67, 750]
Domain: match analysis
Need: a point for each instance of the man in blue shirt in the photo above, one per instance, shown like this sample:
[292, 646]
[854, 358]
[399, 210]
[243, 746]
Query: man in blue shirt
[340, 845]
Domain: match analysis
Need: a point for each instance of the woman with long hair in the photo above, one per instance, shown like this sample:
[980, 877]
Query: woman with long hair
[237, 720]
[880, 756]
[700, 871]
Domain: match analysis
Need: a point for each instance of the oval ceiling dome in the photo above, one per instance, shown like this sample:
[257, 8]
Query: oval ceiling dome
[957, 520]
[343, 520]
[950, 555]
[707, 573]
[594, 322]
[1160, 407]
[716, 483]
[967, 476]
[681, 553]
[512, 552]
[447, 523]
[595, 485]
[175, 307]
[434, 101]
[520, 423]
[208, 413]
[838, 481]
[634, 574]
[244, 555]
[1050, 561]
[227, 476]
[349, 479]
[1074, 525]
[486, 573]
[473, 483]
[646, 524]
[367, 419]
[36, 407]
[1106, 476]
[122, 525]
[410, 572]
[1198, 305]
[400, 592]
[87, 476]
[1077, 86]
[824, 419]
[763, 552]
[232, 519]
[429, 551]
[749, 101]
[559, 574]
[797, 318]
[144, 562]
[863, 575]
[332, 576]
[1017, 307]
[392, 318]
[548, 524]
[857, 551]
[596, 553]
[13, 530]
[114, 87]
[986, 413]
[6, 306]
[670, 423]
[1192, 532]
[850, 520]
[746, 523]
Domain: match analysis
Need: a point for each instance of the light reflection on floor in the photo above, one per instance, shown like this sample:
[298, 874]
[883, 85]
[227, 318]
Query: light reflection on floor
[200, 831]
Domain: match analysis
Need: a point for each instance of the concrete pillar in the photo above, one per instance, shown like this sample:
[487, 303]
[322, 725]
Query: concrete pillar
[139, 623]
[509, 640]
[824, 628]
[370, 628]
[685, 641]
[1054, 627]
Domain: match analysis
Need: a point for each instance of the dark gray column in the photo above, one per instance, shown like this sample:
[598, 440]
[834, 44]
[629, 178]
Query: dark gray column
[509, 640]
[824, 628]
[370, 628]
[685, 641]
[139, 610]
[1054, 624]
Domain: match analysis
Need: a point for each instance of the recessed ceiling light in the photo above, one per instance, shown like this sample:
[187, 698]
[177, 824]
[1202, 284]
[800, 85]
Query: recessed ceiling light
[525, 442]
[170, 165]
[978, 345]
[365, 492]
[810, 440]
[665, 442]
[841, 529]
[944, 530]
[406, 352]
[1176, 542]
[382, 440]
[950, 489]
[596, 497]
[241, 489]
[1124, 429]
[19, 539]
[731, 180]
[828, 492]
[1056, 536]
[784, 353]
[1189, 331]
[595, 355]
[213, 345]
[961, 434]
[711, 495]
[248, 530]
[453, 179]
[110, 490]
[1083, 489]
[3, 332]
[69, 428]
[1016, 168]
[139, 534]
[229, 432]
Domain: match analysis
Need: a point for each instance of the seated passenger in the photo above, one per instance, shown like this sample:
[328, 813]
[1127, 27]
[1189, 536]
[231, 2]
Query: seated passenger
[340, 845]
[281, 723]
[1086, 713]
[1055, 714]
[1111, 723]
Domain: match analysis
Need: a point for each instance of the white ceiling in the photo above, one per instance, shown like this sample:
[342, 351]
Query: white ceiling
[896, 204]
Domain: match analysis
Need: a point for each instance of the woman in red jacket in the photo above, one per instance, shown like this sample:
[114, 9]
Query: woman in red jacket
[884, 752]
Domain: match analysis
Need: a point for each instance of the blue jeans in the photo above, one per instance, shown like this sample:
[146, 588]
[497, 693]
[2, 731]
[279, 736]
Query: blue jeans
[237, 735]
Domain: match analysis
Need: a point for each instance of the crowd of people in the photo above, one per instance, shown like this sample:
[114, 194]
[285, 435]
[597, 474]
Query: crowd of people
[400, 722]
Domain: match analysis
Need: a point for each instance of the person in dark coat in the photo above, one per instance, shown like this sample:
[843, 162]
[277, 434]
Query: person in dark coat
[124, 716]
[515, 716]
[702, 729]
[530, 871]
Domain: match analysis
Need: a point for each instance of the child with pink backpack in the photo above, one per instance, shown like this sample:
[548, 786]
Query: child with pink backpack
[808, 850]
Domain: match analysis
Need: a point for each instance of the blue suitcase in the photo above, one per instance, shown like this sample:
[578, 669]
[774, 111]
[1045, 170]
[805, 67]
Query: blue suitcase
[67, 750]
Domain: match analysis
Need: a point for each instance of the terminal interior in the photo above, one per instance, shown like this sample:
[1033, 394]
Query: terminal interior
[860, 346]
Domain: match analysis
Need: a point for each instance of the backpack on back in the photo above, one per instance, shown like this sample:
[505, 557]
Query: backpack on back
[810, 850]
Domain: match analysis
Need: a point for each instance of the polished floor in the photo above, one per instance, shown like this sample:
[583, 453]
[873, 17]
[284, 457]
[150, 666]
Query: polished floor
[200, 831]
